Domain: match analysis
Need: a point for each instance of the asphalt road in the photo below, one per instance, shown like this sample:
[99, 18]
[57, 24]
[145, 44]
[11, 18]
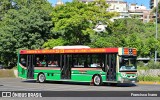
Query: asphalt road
[17, 84]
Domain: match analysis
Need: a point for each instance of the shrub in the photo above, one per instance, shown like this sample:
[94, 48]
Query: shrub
[153, 65]
[141, 65]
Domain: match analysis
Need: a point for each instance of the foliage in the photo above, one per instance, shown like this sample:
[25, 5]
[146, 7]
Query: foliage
[35, 24]
[5, 5]
[54, 42]
[141, 65]
[131, 33]
[153, 65]
[75, 21]
[150, 65]
[26, 26]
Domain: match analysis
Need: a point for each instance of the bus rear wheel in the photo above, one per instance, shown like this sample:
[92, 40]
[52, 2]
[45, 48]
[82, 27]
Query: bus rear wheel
[41, 78]
[97, 80]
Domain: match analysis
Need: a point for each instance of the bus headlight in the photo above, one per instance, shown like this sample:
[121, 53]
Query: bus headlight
[123, 75]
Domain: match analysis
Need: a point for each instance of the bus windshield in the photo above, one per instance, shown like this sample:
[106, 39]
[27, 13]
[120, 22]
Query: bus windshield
[128, 64]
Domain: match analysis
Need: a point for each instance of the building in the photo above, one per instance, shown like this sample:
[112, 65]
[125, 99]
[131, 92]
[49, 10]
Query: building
[125, 11]
[153, 14]
[118, 6]
[114, 6]
[140, 12]
[153, 3]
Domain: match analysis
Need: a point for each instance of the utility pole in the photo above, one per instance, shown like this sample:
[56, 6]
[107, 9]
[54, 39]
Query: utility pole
[156, 29]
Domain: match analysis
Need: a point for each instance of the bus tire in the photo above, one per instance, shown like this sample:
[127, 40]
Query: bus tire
[41, 78]
[97, 80]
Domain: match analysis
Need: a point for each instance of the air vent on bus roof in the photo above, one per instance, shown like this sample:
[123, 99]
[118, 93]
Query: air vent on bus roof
[71, 47]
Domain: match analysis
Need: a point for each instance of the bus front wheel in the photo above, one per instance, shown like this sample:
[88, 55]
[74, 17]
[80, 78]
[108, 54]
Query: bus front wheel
[97, 80]
[41, 78]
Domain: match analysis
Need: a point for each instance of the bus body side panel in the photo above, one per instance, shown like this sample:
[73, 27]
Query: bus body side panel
[86, 76]
[80, 76]
[49, 74]
[22, 72]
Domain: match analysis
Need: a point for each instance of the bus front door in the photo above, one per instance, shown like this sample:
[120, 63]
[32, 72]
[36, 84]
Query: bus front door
[30, 66]
[66, 67]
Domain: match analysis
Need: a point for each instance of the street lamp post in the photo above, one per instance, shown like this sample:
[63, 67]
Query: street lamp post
[156, 29]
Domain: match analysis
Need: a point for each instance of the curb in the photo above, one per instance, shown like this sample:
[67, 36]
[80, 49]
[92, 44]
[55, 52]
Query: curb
[147, 82]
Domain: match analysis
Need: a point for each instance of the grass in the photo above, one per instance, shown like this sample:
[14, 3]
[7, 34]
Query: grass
[6, 73]
[149, 78]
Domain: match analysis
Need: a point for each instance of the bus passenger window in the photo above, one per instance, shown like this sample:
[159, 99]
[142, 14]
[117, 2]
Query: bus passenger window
[38, 62]
[86, 64]
[93, 65]
[56, 63]
[50, 63]
[43, 63]
[53, 64]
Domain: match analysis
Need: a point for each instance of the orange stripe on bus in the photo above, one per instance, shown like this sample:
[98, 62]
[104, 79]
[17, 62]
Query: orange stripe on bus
[130, 73]
[82, 69]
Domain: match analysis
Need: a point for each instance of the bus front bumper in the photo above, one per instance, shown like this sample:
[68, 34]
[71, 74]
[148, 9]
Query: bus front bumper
[125, 80]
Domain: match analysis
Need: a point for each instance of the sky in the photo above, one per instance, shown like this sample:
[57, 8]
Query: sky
[139, 2]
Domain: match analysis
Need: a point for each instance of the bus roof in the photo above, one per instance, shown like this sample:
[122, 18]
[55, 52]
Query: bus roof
[70, 51]
[71, 47]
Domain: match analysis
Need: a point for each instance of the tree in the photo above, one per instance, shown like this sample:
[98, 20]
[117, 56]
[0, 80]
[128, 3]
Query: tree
[75, 21]
[5, 5]
[128, 26]
[130, 33]
[134, 33]
[54, 42]
[27, 26]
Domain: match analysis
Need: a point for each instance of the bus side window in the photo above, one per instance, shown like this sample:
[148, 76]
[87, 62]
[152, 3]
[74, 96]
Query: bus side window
[23, 62]
[53, 64]
[38, 62]
[43, 63]
[85, 64]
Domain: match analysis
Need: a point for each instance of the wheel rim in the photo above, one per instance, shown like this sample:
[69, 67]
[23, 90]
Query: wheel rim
[41, 78]
[97, 80]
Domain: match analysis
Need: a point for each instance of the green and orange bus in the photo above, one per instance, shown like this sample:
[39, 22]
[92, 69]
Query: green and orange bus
[79, 64]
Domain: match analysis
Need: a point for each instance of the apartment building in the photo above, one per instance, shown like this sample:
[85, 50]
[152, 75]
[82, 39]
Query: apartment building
[118, 6]
[153, 3]
[125, 10]
[140, 12]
